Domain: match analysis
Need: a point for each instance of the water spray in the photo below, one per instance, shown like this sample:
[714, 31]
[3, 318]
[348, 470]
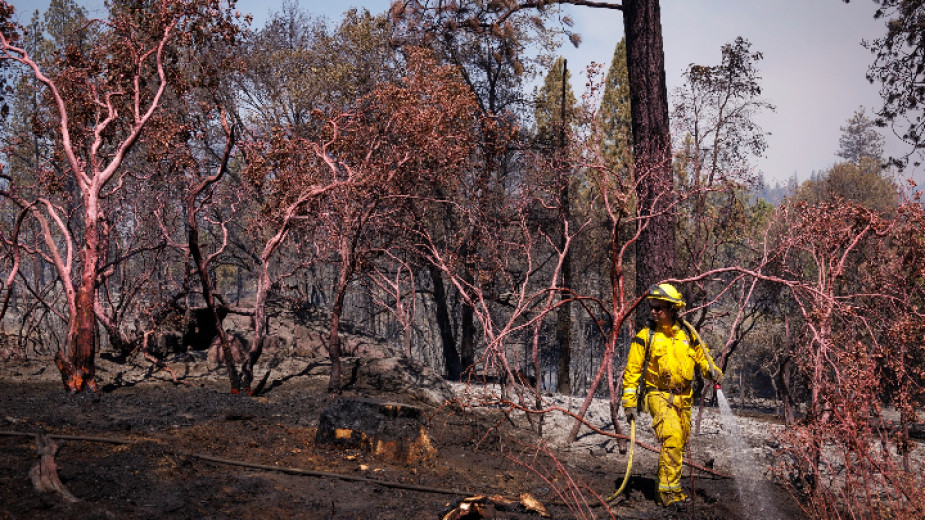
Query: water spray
[753, 493]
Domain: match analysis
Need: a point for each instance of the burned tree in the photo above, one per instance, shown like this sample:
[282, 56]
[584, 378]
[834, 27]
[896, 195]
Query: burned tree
[102, 113]
[354, 186]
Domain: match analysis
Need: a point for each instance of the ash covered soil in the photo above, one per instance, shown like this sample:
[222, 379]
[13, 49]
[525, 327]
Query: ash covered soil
[145, 447]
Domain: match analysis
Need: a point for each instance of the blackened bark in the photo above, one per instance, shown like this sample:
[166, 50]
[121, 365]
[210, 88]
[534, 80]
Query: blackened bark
[467, 313]
[564, 313]
[645, 61]
[785, 373]
[467, 339]
[347, 268]
[334, 338]
[78, 366]
[564, 338]
[451, 359]
[207, 295]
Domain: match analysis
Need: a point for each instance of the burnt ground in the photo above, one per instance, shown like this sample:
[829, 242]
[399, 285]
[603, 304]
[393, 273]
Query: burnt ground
[141, 448]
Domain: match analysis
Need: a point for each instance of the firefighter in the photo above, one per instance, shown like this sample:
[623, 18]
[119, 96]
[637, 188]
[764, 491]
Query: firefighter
[667, 349]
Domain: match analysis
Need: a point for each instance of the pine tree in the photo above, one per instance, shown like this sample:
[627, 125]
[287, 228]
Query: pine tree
[860, 139]
[614, 113]
[549, 111]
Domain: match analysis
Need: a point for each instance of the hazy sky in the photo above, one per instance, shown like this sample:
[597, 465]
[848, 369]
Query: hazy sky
[813, 67]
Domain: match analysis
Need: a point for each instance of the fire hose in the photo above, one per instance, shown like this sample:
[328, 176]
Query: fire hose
[629, 462]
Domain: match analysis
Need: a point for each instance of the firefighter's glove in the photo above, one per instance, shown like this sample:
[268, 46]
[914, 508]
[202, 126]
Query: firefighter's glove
[630, 414]
[716, 375]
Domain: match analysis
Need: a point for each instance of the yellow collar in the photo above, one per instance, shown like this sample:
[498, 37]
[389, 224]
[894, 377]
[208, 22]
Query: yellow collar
[673, 329]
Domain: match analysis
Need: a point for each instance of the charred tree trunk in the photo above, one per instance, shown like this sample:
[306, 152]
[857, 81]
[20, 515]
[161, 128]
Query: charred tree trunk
[467, 314]
[347, 267]
[564, 335]
[451, 359]
[645, 61]
[783, 390]
[334, 337]
[564, 314]
[467, 336]
[78, 364]
[209, 297]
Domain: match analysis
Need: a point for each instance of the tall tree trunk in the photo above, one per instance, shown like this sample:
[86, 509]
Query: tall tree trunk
[564, 338]
[451, 359]
[467, 336]
[645, 61]
[564, 314]
[467, 313]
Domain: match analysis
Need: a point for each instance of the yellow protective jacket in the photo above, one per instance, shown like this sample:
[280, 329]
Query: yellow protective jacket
[672, 356]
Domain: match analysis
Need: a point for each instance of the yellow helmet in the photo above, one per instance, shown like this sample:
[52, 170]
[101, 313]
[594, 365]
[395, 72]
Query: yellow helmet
[667, 292]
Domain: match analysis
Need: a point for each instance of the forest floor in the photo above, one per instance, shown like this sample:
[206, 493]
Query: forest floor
[147, 447]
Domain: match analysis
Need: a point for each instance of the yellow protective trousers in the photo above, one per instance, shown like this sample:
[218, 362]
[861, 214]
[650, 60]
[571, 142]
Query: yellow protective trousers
[671, 419]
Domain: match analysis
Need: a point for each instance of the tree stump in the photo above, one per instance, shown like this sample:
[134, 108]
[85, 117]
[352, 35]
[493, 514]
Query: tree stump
[386, 429]
[44, 474]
